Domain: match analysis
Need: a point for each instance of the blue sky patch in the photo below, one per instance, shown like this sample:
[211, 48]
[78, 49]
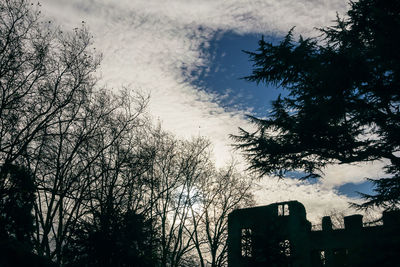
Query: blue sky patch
[228, 65]
[351, 189]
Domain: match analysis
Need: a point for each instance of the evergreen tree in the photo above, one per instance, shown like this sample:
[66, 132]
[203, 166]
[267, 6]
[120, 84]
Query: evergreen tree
[16, 203]
[112, 239]
[343, 102]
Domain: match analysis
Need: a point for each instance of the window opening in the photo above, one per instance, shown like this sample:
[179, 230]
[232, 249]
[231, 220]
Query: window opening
[322, 257]
[280, 210]
[340, 257]
[285, 248]
[286, 210]
[283, 210]
[246, 242]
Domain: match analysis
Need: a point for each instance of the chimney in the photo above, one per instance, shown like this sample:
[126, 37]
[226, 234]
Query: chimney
[353, 222]
[326, 223]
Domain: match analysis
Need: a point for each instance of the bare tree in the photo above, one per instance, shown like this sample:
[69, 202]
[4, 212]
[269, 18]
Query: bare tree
[221, 192]
[45, 76]
[113, 196]
[73, 157]
[54, 120]
[177, 168]
[42, 72]
[191, 200]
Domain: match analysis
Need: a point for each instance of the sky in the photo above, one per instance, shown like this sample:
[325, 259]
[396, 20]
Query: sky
[188, 55]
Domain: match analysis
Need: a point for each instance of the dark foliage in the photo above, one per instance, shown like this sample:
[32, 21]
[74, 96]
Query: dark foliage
[16, 204]
[16, 221]
[343, 104]
[14, 253]
[112, 240]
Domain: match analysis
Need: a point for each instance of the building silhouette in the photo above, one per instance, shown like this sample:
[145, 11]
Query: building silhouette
[280, 235]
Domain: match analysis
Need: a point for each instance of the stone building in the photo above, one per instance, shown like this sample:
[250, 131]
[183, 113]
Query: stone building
[280, 235]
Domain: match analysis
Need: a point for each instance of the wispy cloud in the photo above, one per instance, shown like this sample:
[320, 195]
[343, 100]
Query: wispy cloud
[155, 45]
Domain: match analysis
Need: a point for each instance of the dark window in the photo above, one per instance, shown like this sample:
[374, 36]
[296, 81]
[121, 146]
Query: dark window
[318, 258]
[340, 257]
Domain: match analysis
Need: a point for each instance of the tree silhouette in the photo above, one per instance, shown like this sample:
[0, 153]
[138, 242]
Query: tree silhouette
[112, 239]
[16, 204]
[343, 103]
[55, 120]
[220, 192]
[17, 196]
